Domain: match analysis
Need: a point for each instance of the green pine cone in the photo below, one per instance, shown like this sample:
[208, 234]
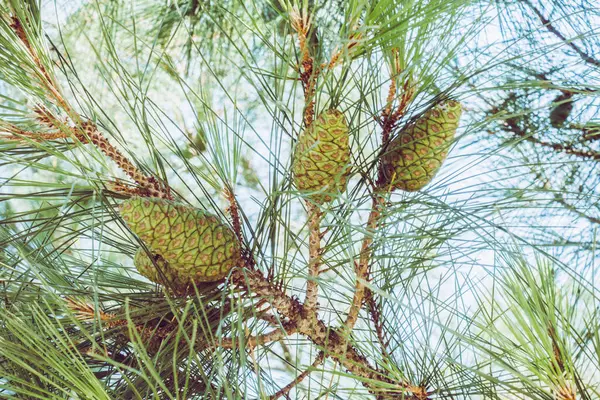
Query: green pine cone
[415, 156]
[322, 155]
[165, 274]
[195, 245]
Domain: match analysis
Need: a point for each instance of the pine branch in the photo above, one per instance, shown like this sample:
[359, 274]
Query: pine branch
[251, 342]
[285, 390]
[332, 341]
[376, 318]
[552, 29]
[511, 125]
[314, 263]
[389, 120]
[362, 267]
[301, 23]
[83, 131]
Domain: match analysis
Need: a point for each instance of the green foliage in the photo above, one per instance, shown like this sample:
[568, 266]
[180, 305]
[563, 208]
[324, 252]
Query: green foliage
[482, 285]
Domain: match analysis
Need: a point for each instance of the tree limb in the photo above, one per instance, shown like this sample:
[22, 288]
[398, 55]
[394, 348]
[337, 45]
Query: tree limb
[285, 390]
[331, 340]
[314, 263]
[552, 29]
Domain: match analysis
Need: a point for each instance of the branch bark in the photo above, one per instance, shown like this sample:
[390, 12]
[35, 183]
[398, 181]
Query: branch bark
[552, 29]
[331, 340]
[285, 390]
[362, 267]
[314, 263]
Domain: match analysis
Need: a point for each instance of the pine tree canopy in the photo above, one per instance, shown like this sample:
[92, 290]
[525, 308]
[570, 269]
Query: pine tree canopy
[300, 199]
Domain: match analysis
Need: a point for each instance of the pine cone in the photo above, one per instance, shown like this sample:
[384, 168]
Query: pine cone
[321, 157]
[195, 245]
[562, 109]
[159, 271]
[415, 156]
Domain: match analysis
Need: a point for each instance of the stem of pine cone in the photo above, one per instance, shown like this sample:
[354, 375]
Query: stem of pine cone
[389, 120]
[362, 267]
[314, 263]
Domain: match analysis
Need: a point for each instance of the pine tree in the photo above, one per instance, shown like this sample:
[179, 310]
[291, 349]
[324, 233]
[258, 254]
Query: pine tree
[386, 199]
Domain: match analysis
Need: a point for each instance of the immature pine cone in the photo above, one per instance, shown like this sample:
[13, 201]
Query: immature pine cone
[414, 157]
[159, 271]
[321, 157]
[195, 245]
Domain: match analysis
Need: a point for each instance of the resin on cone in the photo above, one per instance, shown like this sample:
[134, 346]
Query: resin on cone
[195, 245]
[321, 157]
[415, 156]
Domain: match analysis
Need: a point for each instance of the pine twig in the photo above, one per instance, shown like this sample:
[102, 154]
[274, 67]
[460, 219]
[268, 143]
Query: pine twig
[301, 22]
[331, 340]
[389, 120]
[375, 317]
[314, 263]
[362, 267]
[235, 215]
[47, 80]
[552, 29]
[285, 390]
[150, 185]
[84, 131]
[253, 341]
[511, 125]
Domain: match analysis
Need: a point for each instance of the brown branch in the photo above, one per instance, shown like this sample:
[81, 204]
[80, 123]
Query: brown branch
[300, 21]
[332, 341]
[389, 117]
[14, 133]
[235, 215]
[375, 317]
[511, 125]
[314, 263]
[84, 131]
[285, 390]
[150, 185]
[362, 267]
[47, 80]
[389, 120]
[253, 341]
[552, 29]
